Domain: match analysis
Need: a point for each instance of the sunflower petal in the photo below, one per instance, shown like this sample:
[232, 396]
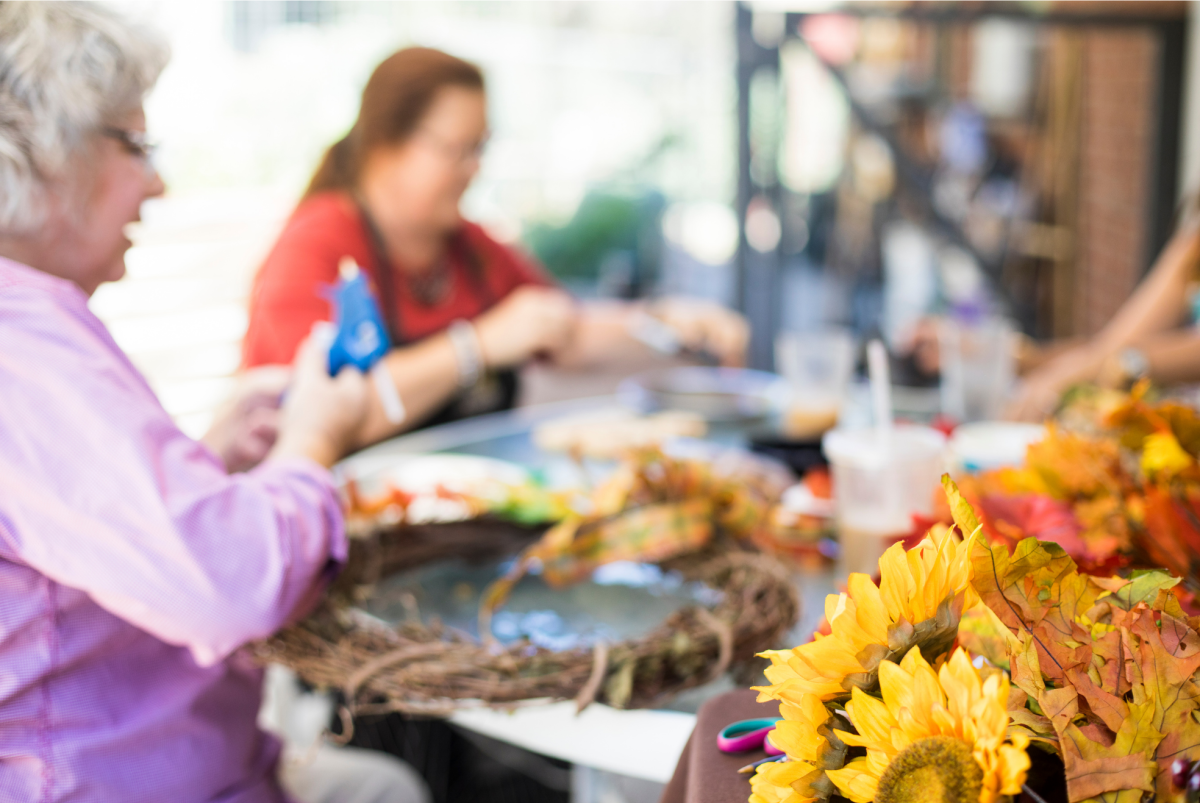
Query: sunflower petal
[855, 781]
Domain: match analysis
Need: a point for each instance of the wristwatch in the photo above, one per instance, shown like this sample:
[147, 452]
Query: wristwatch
[1133, 364]
[465, 341]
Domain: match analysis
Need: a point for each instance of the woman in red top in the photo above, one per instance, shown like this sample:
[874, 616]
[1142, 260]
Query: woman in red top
[464, 311]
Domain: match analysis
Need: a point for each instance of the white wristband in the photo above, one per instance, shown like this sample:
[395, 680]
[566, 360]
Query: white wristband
[389, 397]
[467, 352]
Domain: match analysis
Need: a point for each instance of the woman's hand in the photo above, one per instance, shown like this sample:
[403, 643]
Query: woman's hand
[321, 415]
[1042, 389]
[705, 326]
[245, 427]
[530, 321]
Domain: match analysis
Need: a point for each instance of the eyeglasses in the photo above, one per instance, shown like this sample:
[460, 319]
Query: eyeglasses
[134, 142]
[452, 151]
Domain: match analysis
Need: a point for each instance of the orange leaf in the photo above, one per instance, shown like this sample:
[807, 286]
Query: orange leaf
[1091, 779]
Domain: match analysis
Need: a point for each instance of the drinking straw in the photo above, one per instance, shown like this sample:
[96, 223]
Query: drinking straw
[881, 393]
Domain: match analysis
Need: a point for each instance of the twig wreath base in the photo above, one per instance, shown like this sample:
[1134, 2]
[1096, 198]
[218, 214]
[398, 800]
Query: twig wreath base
[424, 668]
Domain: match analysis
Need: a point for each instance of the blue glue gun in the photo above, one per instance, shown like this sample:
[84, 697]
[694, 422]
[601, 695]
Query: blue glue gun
[361, 338]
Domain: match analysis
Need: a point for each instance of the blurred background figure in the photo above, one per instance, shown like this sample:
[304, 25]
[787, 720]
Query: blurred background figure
[871, 170]
[463, 311]
[611, 160]
[980, 190]
[1146, 339]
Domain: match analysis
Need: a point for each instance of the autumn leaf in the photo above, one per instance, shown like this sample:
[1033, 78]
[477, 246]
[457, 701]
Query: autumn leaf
[981, 633]
[1132, 421]
[1137, 418]
[1104, 668]
[960, 510]
[1108, 662]
[1036, 516]
[1071, 466]
[1163, 457]
[652, 508]
[1121, 774]
[1016, 587]
[1143, 586]
[1105, 526]
[1111, 759]
[1175, 646]
[1172, 540]
[1184, 422]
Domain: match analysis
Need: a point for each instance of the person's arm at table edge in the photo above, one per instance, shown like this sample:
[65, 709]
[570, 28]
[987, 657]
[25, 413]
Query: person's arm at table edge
[1172, 358]
[605, 331]
[1156, 306]
[603, 335]
[307, 539]
[529, 320]
[425, 376]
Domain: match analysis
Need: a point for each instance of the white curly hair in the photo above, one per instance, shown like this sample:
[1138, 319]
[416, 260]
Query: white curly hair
[66, 70]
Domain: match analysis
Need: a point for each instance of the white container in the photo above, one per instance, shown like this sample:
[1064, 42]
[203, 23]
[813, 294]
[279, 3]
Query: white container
[877, 492]
[987, 445]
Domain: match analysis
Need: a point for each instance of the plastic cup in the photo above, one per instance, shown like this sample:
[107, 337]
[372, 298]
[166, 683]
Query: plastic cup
[817, 366]
[977, 366]
[877, 492]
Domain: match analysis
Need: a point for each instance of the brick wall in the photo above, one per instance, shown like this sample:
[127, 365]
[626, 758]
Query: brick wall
[1117, 129]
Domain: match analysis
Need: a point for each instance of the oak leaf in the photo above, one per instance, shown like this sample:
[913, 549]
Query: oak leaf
[1108, 663]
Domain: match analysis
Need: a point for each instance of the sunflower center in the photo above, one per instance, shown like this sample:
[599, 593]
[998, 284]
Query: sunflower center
[939, 769]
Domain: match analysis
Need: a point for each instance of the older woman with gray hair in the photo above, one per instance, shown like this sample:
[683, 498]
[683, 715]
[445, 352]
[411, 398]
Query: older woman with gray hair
[133, 563]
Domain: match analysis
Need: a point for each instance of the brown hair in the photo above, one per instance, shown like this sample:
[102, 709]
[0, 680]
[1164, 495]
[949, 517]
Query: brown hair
[395, 99]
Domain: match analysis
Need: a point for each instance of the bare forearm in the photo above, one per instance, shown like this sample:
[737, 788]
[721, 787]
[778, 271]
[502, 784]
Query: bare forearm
[1159, 303]
[1032, 355]
[1174, 357]
[425, 376]
[601, 335]
[304, 444]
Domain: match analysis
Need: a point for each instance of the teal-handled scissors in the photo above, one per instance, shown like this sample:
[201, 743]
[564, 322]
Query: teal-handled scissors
[748, 734]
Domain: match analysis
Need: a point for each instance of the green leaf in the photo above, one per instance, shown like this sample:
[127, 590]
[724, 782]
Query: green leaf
[1143, 586]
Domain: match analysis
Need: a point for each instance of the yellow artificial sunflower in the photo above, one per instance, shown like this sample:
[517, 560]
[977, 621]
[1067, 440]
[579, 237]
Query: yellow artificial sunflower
[933, 736]
[776, 782]
[919, 601]
[812, 746]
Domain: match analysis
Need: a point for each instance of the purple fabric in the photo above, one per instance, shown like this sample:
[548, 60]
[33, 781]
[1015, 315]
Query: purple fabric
[132, 568]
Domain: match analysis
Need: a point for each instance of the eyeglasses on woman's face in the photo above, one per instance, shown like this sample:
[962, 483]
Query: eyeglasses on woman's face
[135, 143]
[457, 153]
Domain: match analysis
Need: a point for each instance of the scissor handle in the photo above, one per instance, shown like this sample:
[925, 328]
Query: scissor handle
[746, 734]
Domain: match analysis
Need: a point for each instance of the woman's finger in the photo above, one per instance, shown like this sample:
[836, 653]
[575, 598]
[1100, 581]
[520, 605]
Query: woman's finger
[263, 387]
[312, 357]
[266, 380]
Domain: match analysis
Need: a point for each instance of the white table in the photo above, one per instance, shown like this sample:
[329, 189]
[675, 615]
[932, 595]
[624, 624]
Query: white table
[643, 744]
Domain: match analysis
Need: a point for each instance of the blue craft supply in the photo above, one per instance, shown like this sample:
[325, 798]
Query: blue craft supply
[361, 338]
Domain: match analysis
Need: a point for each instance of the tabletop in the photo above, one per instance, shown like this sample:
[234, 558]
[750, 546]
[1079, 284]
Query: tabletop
[642, 744]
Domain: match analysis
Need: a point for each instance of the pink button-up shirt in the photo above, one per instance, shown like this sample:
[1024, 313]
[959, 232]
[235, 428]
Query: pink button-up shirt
[132, 567]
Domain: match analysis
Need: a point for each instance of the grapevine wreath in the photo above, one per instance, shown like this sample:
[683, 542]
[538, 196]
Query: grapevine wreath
[697, 517]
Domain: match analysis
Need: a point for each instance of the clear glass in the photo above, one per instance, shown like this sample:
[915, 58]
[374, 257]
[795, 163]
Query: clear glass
[817, 366]
[978, 368]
